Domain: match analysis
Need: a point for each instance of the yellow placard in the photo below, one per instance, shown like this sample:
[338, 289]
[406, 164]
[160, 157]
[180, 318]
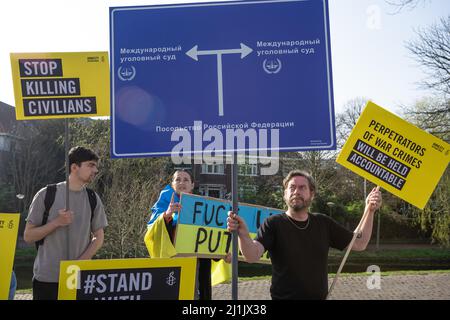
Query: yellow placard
[206, 242]
[60, 85]
[396, 155]
[128, 279]
[9, 226]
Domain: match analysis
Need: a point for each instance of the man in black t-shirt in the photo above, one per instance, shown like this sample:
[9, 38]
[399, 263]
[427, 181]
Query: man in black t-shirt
[298, 241]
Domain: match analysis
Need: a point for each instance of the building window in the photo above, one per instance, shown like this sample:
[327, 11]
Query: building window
[5, 143]
[247, 190]
[214, 191]
[248, 169]
[213, 169]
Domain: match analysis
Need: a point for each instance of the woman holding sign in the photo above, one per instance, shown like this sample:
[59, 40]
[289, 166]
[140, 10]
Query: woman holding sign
[165, 211]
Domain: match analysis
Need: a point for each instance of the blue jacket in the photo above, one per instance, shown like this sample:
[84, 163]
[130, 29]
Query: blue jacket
[162, 204]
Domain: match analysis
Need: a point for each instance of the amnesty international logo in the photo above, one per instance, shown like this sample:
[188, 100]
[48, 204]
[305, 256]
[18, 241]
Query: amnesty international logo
[171, 280]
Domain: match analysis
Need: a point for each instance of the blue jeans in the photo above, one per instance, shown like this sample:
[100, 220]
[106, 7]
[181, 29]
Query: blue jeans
[12, 286]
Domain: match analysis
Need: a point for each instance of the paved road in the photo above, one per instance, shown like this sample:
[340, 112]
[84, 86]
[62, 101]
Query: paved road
[397, 287]
[433, 286]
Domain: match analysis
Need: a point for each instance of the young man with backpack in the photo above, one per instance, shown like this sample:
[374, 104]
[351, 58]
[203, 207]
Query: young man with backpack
[60, 234]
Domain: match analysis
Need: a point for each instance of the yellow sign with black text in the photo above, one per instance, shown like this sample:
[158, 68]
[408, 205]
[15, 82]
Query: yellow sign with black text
[128, 279]
[9, 226]
[60, 85]
[396, 155]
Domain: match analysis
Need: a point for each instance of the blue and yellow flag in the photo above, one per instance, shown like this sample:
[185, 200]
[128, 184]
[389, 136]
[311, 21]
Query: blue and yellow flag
[157, 241]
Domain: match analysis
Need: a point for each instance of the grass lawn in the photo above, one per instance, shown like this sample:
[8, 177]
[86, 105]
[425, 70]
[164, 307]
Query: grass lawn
[388, 260]
[396, 254]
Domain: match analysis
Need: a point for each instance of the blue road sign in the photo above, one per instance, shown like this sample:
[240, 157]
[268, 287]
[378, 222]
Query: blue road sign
[205, 71]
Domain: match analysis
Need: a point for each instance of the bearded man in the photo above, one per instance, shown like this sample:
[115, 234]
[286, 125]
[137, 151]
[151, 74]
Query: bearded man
[298, 240]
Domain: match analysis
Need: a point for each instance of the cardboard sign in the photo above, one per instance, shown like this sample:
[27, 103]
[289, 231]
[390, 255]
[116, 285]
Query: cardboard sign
[9, 226]
[202, 226]
[395, 155]
[60, 85]
[128, 279]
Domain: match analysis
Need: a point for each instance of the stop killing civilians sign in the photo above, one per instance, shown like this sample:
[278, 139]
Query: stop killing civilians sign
[60, 85]
[187, 77]
[202, 226]
[396, 155]
[128, 279]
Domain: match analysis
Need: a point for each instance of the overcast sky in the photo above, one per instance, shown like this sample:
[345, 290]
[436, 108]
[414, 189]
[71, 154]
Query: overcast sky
[368, 43]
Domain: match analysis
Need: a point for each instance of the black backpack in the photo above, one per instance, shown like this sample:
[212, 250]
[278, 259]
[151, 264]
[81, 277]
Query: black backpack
[50, 198]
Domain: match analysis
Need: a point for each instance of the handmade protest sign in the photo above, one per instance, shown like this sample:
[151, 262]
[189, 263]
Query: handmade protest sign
[202, 225]
[396, 155]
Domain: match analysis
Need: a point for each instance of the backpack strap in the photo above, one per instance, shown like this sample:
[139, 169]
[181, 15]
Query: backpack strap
[50, 198]
[50, 194]
[92, 201]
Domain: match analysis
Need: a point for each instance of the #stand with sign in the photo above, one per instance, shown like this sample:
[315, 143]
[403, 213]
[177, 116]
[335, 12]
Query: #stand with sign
[128, 279]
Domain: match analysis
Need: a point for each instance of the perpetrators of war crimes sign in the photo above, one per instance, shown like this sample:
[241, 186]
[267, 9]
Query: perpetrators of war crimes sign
[396, 155]
[60, 85]
[128, 279]
[9, 225]
[218, 77]
[202, 226]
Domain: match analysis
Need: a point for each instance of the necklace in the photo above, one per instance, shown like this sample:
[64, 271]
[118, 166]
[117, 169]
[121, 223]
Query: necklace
[295, 225]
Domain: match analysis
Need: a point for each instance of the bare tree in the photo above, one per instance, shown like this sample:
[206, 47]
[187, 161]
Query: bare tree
[433, 115]
[346, 121]
[38, 157]
[401, 5]
[127, 187]
[432, 51]
[134, 186]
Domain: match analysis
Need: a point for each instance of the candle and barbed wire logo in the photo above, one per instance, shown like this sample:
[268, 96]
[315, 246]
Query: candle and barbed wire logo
[171, 280]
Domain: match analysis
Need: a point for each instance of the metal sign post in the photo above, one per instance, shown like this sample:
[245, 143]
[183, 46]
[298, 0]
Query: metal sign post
[235, 245]
[66, 150]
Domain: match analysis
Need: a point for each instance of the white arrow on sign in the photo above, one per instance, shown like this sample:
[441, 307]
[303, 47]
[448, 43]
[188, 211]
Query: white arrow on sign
[194, 53]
